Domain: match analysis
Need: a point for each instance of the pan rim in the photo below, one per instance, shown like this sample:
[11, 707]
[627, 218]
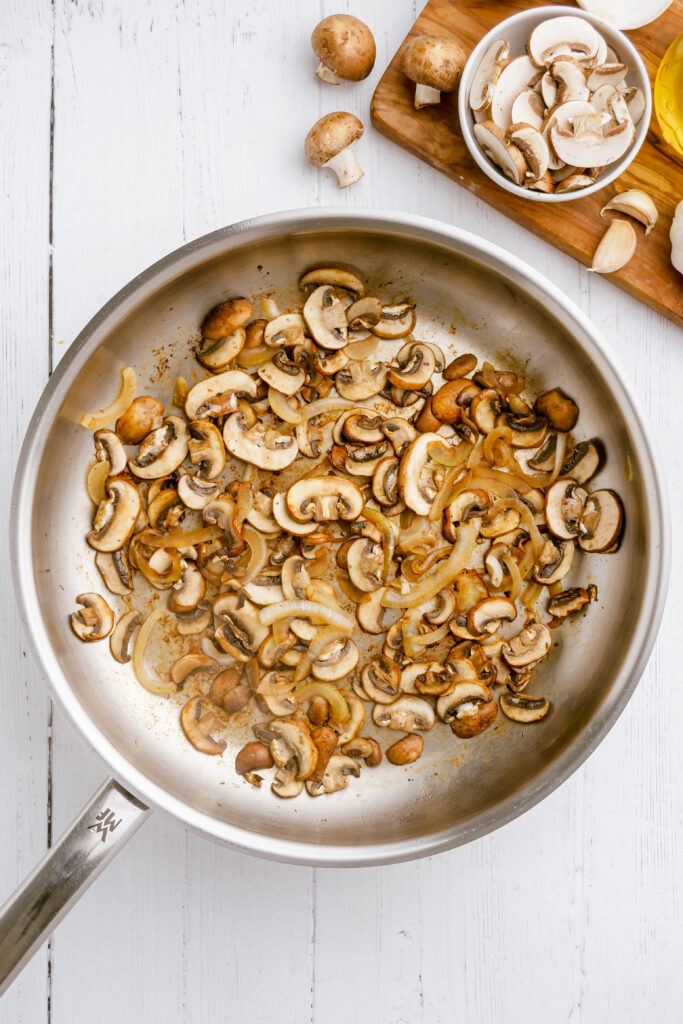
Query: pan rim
[263, 844]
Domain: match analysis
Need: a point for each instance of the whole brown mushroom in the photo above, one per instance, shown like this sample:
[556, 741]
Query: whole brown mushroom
[345, 47]
[434, 65]
[330, 143]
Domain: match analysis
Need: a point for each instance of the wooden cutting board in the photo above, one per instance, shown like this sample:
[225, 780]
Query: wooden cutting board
[433, 134]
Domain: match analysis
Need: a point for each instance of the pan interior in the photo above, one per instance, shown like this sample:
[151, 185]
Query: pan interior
[463, 305]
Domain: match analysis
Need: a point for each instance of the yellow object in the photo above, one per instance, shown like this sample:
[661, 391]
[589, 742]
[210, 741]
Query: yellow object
[668, 95]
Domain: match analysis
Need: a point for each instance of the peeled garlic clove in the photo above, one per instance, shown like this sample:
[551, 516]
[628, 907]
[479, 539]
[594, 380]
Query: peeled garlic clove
[676, 236]
[615, 249]
[635, 203]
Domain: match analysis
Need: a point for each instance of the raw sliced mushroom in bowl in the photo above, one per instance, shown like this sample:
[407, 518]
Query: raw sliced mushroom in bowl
[554, 103]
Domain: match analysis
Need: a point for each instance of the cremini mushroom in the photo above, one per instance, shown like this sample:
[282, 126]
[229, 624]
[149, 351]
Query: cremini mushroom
[517, 75]
[533, 148]
[239, 631]
[365, 561]
[406, 750]
[253, 757]
[433, 64]
[416, 364]
[554, 561]
[484, 79]
[116, 571]
[397, 321]
[199, 720]
[491, 138]
[162, 451]
[345, 47]
[567, 602]
[360, 379]
[522, 707]
[469, 708]
[419, 477]
[330, 143]
[116, 516]
[407, 714]
[564, 503]
[217, 395]
[109, 449]
[487, 616]
[556, 36]
[324, 499]
[282, 374]
[364, 748]
[206, 448]
[142, 416]
[583, 462]
[262, 446]
[601, 521]
[94, 620]
[122, 636]
[336, 661]
[559, 409]
[528, 647]
[230, 691]
[189, 591]
[325, 317]
[340, 769]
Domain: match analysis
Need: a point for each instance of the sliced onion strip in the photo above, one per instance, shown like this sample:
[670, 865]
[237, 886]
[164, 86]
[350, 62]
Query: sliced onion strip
[98, 420]
[444, 574]
[258, 554]
[306, 610]
[178, 539]
[279, 403]
[149, 682]
[338, 706]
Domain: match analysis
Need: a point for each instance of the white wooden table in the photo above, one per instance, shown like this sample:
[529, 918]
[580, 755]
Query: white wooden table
[128, 127]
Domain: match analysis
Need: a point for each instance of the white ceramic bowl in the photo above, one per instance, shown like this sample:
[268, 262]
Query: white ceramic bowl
[516, 30]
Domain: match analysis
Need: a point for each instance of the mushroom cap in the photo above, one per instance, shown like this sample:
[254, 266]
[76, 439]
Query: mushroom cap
[330, 135]
[428, 60]
[345, 45]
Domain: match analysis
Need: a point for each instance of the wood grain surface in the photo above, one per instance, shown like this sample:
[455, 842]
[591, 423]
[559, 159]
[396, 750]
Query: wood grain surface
[126, 128]
[433, 134]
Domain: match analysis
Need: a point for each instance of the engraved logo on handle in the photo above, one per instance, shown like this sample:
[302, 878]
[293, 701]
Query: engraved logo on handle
[105, 822]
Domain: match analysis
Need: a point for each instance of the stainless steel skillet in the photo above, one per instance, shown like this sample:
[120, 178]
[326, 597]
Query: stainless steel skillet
[472, 296]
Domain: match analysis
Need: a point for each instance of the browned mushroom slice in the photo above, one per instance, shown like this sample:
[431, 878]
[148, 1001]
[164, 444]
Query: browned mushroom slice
[360, 379]
[460, 366]
[407, 714]
[115, 571]
[469, 503]
[196, 621]
[364, 563]
[230, 691]
[226, 318]
[142, 416]
[416, 364]
[361, 426]
[522, 707]
[365, 312]
[325, 317]
[116, 516]
[252, 758]
[564, 503]
[94, 620]
[554, 561]
[601, 522]
[528, 647]
[292, 747]
[108, 448]
[583, 462]
[162, 451]
[121, 639]
[239, 631]
[324, 499]
[567, 602]
[469, 708]
[526, 431]
[364, 748]
[560, 411]
[487, 616]
[339, 769]
[406, 750]
[216, 355]
[381, 680]
[218, 395]
[385, 482]
[363, 460]
[188, 664]
[396, 321]
[199, 720]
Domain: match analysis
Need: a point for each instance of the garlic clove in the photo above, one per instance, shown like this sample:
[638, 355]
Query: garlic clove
[635, 203]
[676, 236]
[615, 249]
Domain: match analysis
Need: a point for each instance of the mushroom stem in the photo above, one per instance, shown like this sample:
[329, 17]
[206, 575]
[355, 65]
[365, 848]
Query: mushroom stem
[346, 167]
[326, 75]
[425, 96]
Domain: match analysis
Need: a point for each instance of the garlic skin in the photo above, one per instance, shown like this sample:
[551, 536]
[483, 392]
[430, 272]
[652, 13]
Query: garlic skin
[676, 236]
[634, 203]
[615, 249]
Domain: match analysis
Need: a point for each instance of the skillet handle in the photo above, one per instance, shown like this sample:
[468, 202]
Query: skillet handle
[104, 825]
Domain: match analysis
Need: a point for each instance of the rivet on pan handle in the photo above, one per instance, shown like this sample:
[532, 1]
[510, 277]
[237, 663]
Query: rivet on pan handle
[104, 825]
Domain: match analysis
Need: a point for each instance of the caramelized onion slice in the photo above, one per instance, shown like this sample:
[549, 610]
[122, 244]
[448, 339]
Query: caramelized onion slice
[98, 420]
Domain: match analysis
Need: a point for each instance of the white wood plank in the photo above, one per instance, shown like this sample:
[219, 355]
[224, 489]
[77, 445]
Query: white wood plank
[25, 75]
[199, 120]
